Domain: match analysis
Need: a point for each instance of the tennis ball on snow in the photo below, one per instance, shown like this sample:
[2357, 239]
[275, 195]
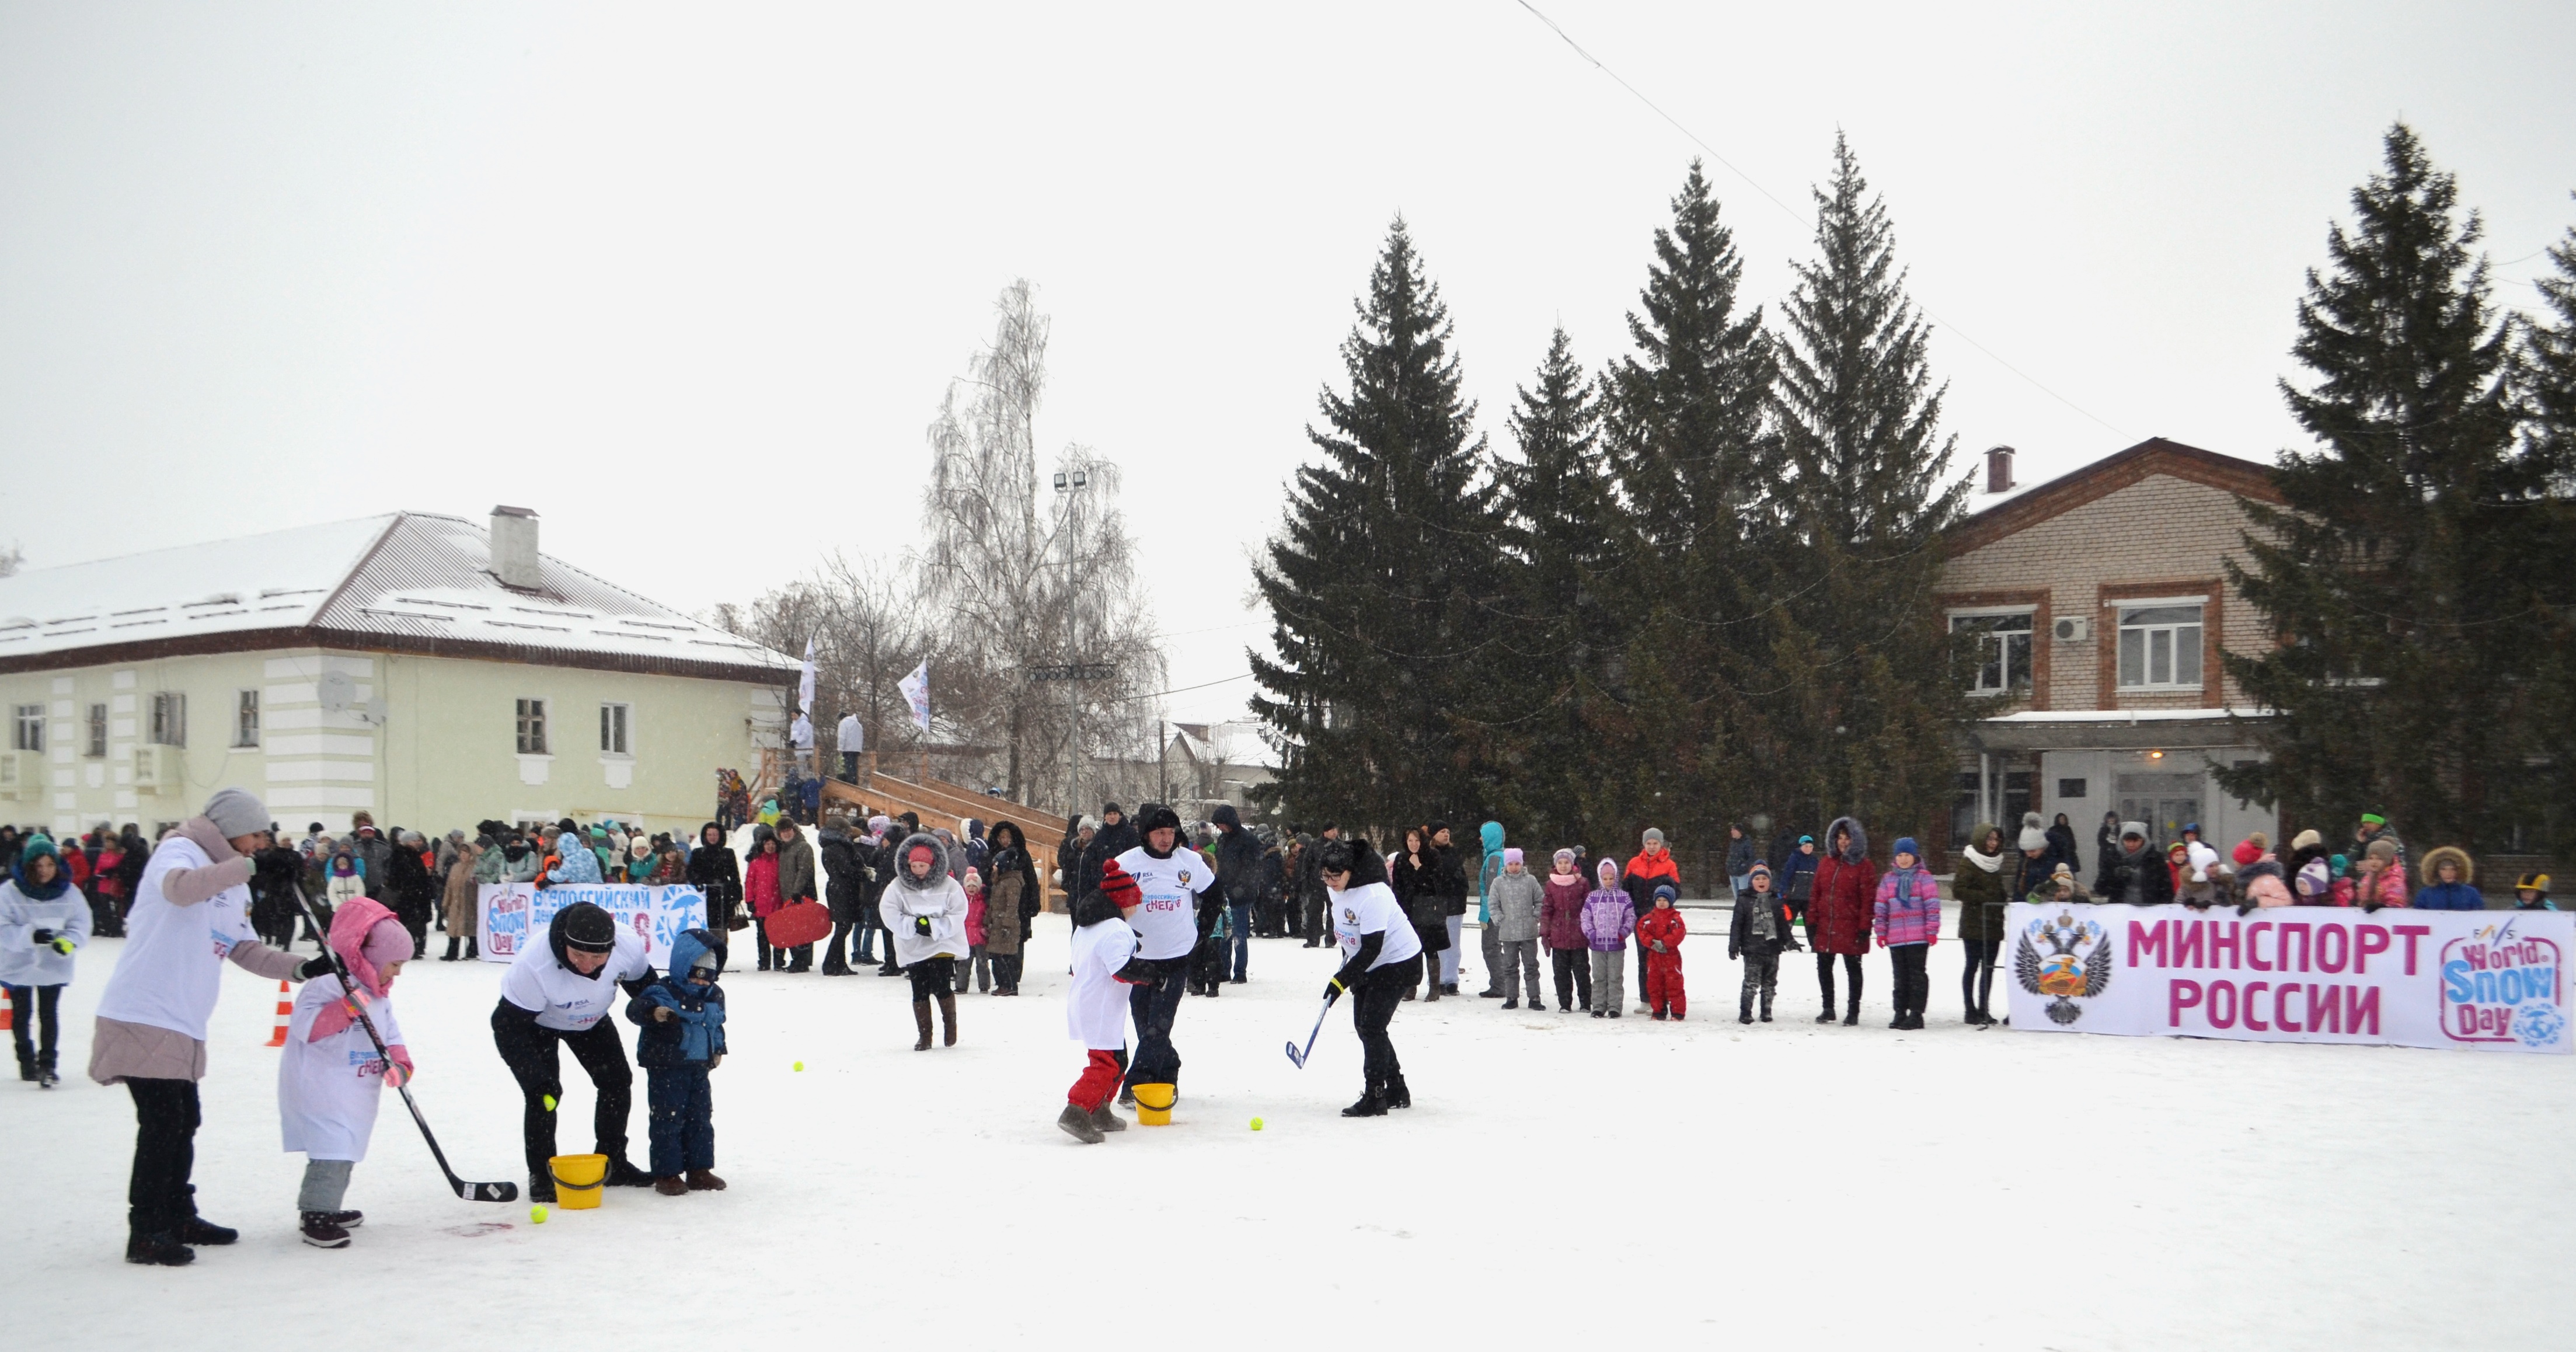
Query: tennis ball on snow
[537, 1213]
[800, 1065]
[1256, 1124]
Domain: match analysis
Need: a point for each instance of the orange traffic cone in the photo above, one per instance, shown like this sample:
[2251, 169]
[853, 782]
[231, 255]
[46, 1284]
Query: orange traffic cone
[7, 1012]
[285, 1013]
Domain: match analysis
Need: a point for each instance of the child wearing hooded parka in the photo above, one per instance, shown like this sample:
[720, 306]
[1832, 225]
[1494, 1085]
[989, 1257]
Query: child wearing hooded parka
[330, 1076]
[680, 1021]
[1609, 917]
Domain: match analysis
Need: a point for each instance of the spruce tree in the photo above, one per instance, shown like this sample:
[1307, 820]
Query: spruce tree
[1683, 420]
[2398, 572]
[2544, 792]
[1562, 548]
[1381, 580]
[1860, 703]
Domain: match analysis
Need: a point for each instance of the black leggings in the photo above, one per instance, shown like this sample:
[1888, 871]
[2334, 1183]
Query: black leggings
[1573, 976]
[1977, 979]
[158, 1196]
[1825, 977]
[930, 977]
[33, 1010]
[1372, 1008]
[1913, 987]
[529, 1051]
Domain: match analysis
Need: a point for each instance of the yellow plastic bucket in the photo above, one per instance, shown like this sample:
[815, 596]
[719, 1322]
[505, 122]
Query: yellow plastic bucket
[578, 1180]
[1154, 1105]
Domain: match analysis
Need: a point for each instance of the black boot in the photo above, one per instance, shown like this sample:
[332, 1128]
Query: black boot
[1395, 1092]
[449, 957]
[1744, 1008]
[948, 1020]
[1371, 1104]
[1851, 1013]
[321, 1233]
[161, 1247]
[622, 1174]
[473, 953]
[197, 1232]
[1766, 1006]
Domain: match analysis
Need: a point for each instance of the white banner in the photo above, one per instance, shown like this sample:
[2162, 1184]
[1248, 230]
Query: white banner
[2476, 980]
[916, 693]
[516, 914]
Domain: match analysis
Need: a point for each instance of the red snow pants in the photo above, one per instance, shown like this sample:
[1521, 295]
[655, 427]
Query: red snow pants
[1099, 1080]
[1664, 984]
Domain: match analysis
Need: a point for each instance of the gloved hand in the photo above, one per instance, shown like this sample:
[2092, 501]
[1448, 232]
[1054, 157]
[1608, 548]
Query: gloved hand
[399, 1070]
[1332, 990]
[1796, 947]
[921, 926]
[62, 943]
[41, 936]
[320, 966]
[715, 1060]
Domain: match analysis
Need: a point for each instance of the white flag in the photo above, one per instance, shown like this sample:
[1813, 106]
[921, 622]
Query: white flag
[916, 692]
[805, 683]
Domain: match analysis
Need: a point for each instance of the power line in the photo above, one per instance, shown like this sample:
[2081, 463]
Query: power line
[1792, 212]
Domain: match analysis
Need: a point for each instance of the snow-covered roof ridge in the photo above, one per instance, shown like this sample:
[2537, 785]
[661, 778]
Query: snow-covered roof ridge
[404, 581]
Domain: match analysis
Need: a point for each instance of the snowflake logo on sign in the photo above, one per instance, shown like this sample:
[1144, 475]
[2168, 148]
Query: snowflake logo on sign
[2076, 966]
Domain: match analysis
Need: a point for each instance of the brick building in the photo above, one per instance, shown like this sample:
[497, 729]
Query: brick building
[2101, 608]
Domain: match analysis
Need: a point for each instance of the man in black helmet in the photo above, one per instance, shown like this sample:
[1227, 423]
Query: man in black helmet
[561, 991]
[1178, 911]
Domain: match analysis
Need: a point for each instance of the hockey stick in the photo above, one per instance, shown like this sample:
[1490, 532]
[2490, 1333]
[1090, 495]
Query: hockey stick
[1298, 1058]
[472, 1192]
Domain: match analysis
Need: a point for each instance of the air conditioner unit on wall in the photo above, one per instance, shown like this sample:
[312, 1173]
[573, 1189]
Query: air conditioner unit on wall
[156, 768]
[2073, 629]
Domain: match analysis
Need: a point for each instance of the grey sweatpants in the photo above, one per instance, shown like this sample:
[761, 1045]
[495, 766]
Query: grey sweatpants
[1495, 964]
[326, 1182]
[1607, 979]
[1517, 956]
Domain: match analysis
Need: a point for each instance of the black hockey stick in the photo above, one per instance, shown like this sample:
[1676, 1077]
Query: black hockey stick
[1298, 1058]
[472, 1192]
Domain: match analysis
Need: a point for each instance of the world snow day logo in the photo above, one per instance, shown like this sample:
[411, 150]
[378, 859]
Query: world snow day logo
[2500, 986]
[2077, 965]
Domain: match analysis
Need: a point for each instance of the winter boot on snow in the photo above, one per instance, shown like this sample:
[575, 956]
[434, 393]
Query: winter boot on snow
[1106, 1120]
[622, 1174]
[1371, 1104]
[1744, 1008]
[921, 1021]
[671, 1186]
[1126, 1096]
[346, 1220]
[198, 1232]
[161, 1247]
[1077, 1124]
[1766, 1006]
[948, 1020]
[321, 1233]
[449, 956]
[1851, 1012]
[472, 952]
[705, 1180]
[1395, 1093]
[541, 1188]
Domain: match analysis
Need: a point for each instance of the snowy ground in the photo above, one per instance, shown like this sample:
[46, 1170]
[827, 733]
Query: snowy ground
[1787, 1186]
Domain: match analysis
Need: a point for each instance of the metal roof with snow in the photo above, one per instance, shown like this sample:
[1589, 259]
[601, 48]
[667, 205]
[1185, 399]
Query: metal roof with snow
[408, 582]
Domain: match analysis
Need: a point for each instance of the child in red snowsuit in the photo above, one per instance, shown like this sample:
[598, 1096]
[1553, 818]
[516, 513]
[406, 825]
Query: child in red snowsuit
[1661, 933]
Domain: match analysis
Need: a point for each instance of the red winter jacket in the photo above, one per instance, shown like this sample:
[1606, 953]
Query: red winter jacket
[760, 884]
[1664, 924]
[1644, 872]
[1842, 906]
[1560, 912]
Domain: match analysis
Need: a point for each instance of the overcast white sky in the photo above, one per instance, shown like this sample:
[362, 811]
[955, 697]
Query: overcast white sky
[690, 280]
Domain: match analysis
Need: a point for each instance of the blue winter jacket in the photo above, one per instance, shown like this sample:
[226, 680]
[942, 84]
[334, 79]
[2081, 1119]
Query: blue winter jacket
[694, 1034]
[2450, 897]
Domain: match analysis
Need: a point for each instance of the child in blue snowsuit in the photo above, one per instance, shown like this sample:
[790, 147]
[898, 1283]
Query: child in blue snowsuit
[681, 1018]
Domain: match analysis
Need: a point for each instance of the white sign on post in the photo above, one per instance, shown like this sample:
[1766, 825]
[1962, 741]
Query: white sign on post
[2470, 980]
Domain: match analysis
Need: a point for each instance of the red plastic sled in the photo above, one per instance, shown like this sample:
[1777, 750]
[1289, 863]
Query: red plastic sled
[799, 923]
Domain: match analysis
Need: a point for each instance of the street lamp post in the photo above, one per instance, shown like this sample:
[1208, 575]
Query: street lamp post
[1066, 485]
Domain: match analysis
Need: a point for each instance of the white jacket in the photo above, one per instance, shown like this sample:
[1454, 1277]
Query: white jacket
[22, 961]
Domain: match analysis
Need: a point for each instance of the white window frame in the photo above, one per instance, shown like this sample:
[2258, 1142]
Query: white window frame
[2147, 634]
[169, 725]
[532, 718]
[1977, 686]
[97, 745]
[246, 720]
[616, 729]
[27, 727]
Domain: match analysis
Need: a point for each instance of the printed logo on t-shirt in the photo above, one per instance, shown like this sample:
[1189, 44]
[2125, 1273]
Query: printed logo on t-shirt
[1185, 877]
[1351, 915]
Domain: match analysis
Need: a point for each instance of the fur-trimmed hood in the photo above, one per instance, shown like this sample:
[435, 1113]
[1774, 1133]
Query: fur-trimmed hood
[2434, 857]
[1859, 849]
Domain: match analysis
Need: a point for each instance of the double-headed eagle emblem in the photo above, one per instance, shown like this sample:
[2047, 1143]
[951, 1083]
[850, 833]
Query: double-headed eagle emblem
[2077, 963]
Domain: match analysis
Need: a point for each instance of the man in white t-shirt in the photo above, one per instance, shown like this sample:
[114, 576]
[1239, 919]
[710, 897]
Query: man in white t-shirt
[562, 991]
[1179, 910]
[1380, 951]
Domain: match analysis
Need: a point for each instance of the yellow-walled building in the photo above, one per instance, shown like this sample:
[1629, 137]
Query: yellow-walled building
[426, 669]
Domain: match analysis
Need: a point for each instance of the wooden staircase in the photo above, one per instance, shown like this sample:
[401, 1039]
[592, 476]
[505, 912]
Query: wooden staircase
[940, 803]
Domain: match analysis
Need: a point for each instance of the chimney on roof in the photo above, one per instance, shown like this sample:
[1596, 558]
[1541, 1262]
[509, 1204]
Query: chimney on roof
[514, 548]
[1999, 477]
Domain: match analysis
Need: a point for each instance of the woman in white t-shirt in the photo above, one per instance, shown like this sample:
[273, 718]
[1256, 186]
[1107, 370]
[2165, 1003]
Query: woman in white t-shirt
[560, 992]
[1381, 954]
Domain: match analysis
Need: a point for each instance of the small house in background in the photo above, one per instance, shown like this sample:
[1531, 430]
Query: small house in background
[429, 670]
[2094, 608]
[1210, 763]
